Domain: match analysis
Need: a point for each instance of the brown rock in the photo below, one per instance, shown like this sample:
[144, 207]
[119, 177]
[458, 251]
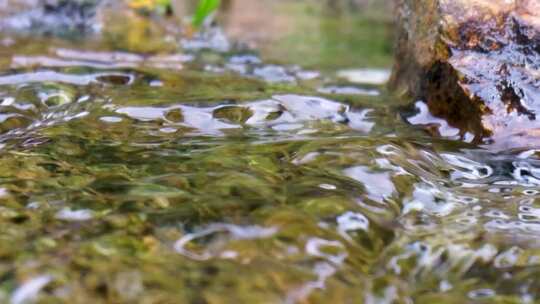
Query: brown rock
[476, 63]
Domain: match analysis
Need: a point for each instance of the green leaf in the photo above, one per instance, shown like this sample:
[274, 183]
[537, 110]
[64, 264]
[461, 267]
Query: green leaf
[204, 9]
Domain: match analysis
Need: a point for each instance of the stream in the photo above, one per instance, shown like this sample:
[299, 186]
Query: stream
[137, 167]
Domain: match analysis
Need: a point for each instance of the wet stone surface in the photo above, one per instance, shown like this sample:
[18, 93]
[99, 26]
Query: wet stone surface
[474, 63]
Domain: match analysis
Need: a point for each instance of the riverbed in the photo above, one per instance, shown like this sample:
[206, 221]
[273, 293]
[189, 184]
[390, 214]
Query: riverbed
[140, 165]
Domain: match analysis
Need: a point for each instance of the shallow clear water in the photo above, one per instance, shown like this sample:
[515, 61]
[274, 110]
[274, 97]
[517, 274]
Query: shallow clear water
[207, 177]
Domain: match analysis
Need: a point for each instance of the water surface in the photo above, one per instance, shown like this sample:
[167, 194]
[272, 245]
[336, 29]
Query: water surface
[131, 173]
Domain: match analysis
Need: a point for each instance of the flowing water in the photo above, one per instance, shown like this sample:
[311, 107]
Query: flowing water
[217, 175]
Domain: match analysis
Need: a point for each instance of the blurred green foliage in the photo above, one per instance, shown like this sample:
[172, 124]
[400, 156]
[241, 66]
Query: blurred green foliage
[204, 9]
